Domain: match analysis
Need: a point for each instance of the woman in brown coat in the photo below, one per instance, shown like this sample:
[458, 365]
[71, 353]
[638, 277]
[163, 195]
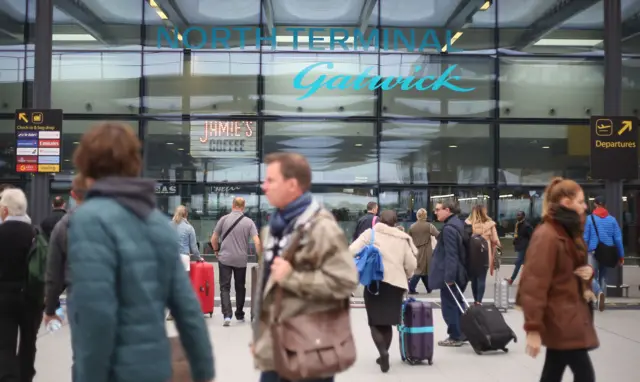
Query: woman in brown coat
[423, 234]
[554, 290]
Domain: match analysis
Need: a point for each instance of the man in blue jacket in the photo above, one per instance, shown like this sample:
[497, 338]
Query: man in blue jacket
[446, 270]
[608, 233]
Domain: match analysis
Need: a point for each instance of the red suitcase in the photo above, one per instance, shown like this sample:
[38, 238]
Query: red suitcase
[202, 279]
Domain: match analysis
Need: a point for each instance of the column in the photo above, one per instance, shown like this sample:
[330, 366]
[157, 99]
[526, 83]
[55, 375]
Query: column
[39, 204]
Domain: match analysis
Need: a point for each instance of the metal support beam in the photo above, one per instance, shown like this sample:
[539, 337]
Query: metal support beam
[552, 19]
[365, 14]
[173, 13]
[87, 19]
[631, 27]
[463, 14]
[612, 107]
[269, 20]
[11, 27]
[39, 196]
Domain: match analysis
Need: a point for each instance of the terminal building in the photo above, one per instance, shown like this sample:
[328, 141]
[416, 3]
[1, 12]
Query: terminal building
[210, 87]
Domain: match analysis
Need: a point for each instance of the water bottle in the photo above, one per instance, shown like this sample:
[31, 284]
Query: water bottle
[56, 324]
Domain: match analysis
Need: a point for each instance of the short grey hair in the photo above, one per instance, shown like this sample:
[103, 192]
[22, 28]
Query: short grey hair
[452, 205]
[15, 201]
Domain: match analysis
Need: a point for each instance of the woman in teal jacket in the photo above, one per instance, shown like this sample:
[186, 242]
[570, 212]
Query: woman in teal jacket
[125, 271]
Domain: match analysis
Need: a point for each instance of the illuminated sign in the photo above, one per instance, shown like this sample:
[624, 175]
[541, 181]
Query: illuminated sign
[223, 139]
[614, 148]
[38, 140]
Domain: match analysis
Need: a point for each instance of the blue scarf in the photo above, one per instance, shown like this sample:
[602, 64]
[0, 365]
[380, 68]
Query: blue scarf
[283, 219]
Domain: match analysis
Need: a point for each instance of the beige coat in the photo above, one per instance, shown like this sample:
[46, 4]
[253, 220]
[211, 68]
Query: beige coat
[423, 234]
[489, 232]
[397, 251]
[324, 275]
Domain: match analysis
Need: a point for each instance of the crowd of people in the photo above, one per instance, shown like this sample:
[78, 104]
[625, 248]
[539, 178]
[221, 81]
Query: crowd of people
[122, 265]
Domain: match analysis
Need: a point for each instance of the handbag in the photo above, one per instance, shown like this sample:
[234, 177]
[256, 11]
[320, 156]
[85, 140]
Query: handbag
[311, 345]
[181, 371]
[606, 255]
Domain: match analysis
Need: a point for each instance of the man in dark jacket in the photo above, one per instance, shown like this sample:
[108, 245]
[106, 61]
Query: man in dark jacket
[50, 221]
[521, 236]
[366, 221]
[447, 272]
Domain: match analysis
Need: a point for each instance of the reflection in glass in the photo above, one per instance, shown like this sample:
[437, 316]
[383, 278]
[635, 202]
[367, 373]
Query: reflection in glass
[12, 72]
[533, 154]
[338, 152]
[435, 152]
[466, 198]
[405, 202]
[630, 87]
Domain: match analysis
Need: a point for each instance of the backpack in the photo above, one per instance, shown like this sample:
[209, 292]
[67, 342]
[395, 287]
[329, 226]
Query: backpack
[37, 259]
[369, 264]
[477, 252]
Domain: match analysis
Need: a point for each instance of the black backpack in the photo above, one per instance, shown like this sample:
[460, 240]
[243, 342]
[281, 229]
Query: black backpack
[477, 248]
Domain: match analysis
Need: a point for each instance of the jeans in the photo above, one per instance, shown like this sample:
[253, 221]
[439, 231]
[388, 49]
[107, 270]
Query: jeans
[599, 283]
[18, 318]
[519, 262]
[272, 376]
[556, 361]
[478, 285]
[239, 278]
[415, 279]
[451, 312]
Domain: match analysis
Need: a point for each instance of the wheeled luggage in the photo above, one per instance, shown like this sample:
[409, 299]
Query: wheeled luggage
[501, 294]
[484, 326]
[416, 332]
[202, 280]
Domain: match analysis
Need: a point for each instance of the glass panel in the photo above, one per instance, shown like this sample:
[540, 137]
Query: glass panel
[541, 26]
[12, 19]
[630, 227]
[234, 24]
[555, 88]
[338, 152]
[94, 82]
[631, 86]
[71, 134]
[435, 152]
[468, 91]
[532, 154]
[180, 150]
[12, 71]
[630, 26]
[467, 198]
[346, 204]
[406, 202]
[8, 150]
[201, 83]
[93, 24]
[289, 91]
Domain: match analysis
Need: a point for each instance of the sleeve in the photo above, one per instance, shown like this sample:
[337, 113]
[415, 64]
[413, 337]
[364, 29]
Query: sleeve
[587, 233]
[218, 229]
[360, 242]
[451, 257]
[93, 266]
[191, 325]
[337, 276]
[356, 230]
[536, 280]
[433, 231]
[494, 236]
[253, 231]
[55, 272]
[410, 259]
[617, 238]
[193, 245]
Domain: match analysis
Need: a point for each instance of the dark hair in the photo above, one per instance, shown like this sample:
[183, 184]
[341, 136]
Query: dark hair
[371, 206]
[109, 149]
[599, 201]
[389, 217]
[58, 202]
[451, 204]
[292, 166]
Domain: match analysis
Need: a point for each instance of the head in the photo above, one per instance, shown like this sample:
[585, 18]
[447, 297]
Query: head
[479, 214]
[599, 202]
[13, 203]
[180, 214]
[108, 149]
[445, 209]
[563, 193]
[288, 176]
[389, 217]
[520, 215]
[58, 202]
[78, 189]
[5, 186]
[421, 215]
[372, 207]
[238, 204]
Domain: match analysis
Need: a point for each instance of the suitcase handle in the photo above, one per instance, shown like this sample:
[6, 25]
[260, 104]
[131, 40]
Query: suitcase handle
[206, 288]
[466, 303]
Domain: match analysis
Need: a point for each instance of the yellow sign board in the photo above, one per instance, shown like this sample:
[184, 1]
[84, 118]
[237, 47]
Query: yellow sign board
[626, 126]
[48, 168]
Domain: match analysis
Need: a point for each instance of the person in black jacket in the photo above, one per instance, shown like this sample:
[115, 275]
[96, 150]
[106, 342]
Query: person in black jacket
[521, 237]
[50, 221]
[366, 221]
[20, 312]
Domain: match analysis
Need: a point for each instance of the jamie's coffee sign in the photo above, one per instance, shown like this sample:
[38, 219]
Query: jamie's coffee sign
[223, 139]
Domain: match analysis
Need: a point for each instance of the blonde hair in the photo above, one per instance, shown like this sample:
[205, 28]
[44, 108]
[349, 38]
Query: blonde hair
[421, 214]
[179, 214]
[478, 215]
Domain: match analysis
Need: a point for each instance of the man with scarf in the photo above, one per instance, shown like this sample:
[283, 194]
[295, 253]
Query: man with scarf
[322, 274]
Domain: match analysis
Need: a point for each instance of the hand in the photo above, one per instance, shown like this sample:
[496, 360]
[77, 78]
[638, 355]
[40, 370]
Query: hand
[280, 269]
[47, 319]
[533, 344]
[622, 261]
[450, 284]
[585, 272]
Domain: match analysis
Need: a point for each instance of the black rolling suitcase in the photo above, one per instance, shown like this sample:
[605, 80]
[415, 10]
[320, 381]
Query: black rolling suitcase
[484, 326]
[416, 332]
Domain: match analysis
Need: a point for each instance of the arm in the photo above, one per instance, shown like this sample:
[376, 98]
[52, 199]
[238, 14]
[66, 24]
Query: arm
[452, 242]
[55, 272]
[495, 239]
[617, 239]
[587, 232]
[360, 242]
[255, 237]
[193, 245]
[336, 277]
[93, 266]
[215, 237]
[191, 326]
[536, 280]
[433, 231]
[410, 259]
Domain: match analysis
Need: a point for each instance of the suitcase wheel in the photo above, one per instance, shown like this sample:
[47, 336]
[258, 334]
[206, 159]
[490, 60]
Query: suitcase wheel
[430, 361]
[505, 350]
[478, 352]
[413, 362]
[210, 314]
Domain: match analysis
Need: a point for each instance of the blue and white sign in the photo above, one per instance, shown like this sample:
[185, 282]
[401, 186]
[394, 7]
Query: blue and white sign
[28, 143]
[49, 159]
[27, 134]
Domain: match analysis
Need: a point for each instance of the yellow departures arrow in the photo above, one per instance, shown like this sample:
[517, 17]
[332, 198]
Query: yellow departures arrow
[23, 117]
[626, 125]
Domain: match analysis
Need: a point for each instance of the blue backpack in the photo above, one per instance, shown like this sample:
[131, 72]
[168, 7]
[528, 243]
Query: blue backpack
[369, 264]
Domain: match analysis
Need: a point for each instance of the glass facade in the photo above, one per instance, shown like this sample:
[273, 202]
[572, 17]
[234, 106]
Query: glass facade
[209, 112]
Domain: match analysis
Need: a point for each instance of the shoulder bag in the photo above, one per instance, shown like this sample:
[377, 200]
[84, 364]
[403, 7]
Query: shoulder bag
[311, 345]
[606, 255]
[235, 223]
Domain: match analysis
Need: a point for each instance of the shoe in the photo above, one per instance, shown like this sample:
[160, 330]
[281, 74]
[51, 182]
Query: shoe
[477, 303]
[240, 319]
[449, 342]
[413, 292]
[601, 301]
[227, 322]
[170, 317]
[384, 362]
